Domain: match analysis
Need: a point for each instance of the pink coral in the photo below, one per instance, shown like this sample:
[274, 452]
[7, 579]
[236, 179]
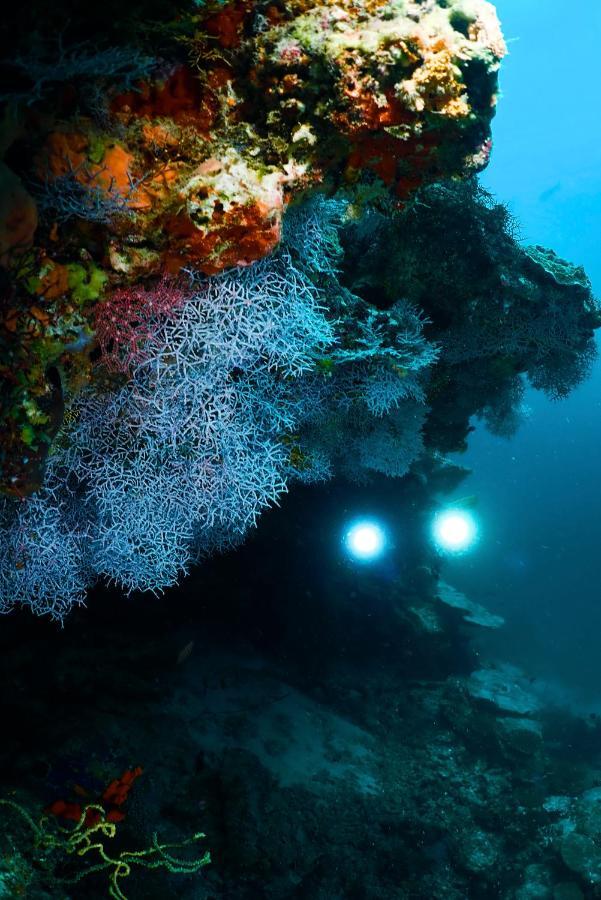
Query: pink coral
[127, 320]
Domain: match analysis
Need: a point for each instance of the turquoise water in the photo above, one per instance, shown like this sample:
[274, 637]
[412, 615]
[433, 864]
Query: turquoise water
[541, 492]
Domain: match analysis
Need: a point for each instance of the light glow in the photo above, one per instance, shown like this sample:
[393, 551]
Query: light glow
[365, 541]
[454, 530]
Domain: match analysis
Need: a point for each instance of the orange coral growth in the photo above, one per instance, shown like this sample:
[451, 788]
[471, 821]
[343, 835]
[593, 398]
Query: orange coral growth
[40, 315]
[66, 153]
[236, 238]
[435, 85]
[226, 25]
[274, 15]
[402, 164]
[53, 282]
[365, 111]
[114, 173]
[376, 152]
[117, 792]
[159, 136]
[159, 183]
[18, 216]
[113, 797]
[181, 97]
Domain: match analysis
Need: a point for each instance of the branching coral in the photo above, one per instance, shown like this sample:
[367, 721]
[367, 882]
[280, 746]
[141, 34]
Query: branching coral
[126, 321]
[86, 849]
[345, 439]
[48, 64]
[298, 367]
[499, 312]
[189, 445]
[71, 197]
[43, 553]
[226, 379]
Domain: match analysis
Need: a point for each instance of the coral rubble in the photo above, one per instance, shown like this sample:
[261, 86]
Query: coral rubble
[316, 734]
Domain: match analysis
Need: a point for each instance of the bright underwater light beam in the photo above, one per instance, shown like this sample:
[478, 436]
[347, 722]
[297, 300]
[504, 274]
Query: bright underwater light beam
[365, 540]
[454, 530]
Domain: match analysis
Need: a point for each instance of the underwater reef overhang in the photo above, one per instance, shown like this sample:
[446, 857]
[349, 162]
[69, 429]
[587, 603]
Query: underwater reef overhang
[184, 146]
[247, 248]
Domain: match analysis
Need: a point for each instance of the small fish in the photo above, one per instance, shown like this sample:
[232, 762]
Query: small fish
[550, 192]
[185, 653]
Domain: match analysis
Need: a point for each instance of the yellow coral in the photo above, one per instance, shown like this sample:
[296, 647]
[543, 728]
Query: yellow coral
[436, 87]
[91, 836]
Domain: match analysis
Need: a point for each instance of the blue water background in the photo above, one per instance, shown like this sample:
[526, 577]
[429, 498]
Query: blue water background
[539, 560]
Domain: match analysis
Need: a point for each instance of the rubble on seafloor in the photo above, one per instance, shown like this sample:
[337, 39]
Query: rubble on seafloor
[387, 767]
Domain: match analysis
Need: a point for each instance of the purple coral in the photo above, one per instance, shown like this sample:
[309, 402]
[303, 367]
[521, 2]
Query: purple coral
[44, 563]
[126, 321]
[236, 384]
[187, 453]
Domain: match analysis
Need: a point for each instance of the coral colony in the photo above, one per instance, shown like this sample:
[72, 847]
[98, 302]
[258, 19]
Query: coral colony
[259, 257]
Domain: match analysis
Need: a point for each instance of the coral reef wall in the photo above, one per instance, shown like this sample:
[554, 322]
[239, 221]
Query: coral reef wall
[242, 245]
